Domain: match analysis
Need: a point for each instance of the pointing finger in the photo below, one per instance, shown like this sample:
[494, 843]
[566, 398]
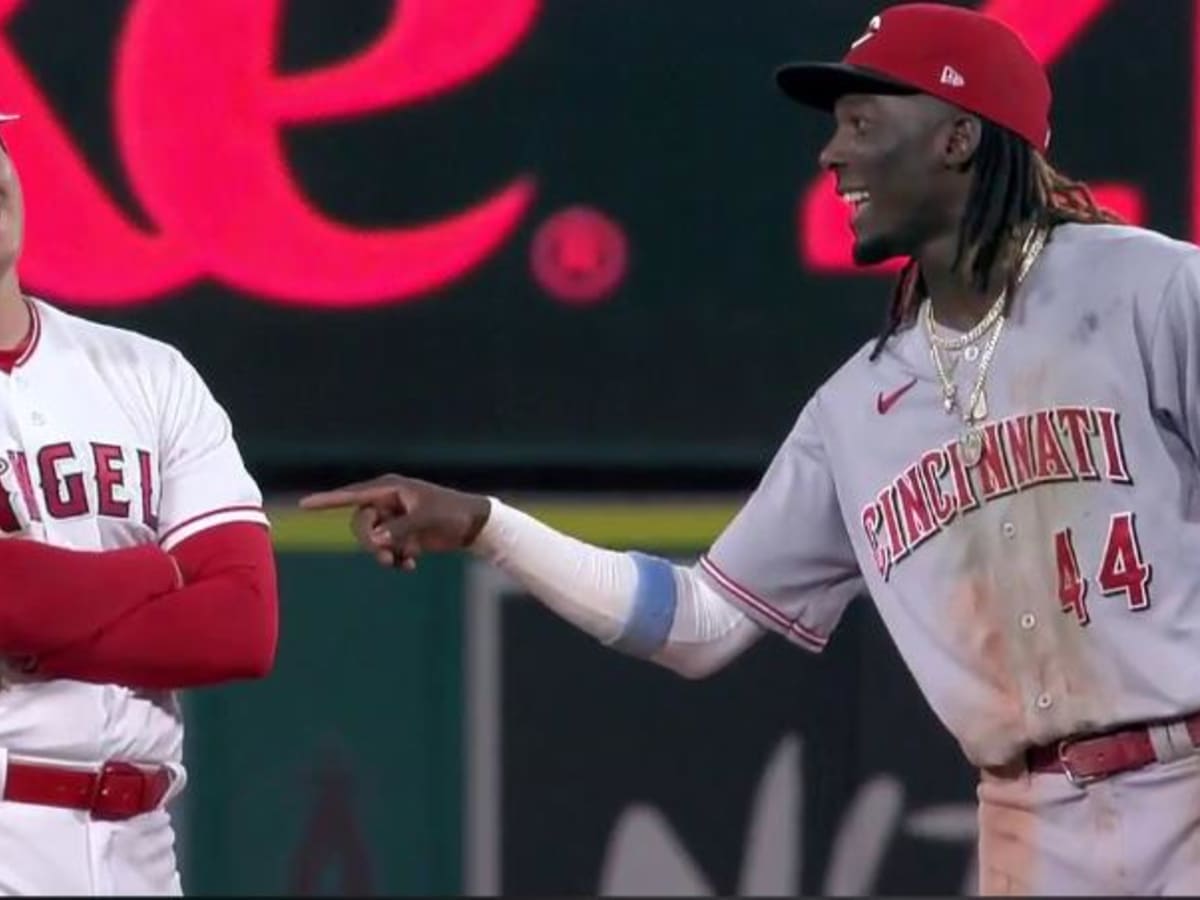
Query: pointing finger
[350, 496]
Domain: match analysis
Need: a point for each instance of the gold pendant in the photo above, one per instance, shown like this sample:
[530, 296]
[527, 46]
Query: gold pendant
[980, 410]
[949, 397]
[970, 445]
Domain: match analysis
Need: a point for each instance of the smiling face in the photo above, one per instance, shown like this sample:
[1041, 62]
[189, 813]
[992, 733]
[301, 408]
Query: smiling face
[899, 162]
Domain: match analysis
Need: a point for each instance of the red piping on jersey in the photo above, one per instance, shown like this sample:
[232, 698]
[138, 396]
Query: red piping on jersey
[790, 627]
[10, 359]
[214, 512]
[36, 334]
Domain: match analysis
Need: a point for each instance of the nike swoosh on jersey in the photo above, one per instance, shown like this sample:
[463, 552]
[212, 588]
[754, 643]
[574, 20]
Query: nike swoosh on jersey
[884, 403]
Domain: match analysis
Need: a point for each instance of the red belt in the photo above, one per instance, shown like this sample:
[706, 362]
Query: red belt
[1087, 759]
[120, 790]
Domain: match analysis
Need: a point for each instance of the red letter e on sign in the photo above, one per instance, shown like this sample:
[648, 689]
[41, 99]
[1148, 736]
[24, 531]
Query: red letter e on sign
[198, 115]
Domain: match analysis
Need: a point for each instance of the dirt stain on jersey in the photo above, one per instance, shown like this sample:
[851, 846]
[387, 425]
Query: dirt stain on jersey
[983, 643]
[1055, 653]
[1007, 613]
[1088, 325]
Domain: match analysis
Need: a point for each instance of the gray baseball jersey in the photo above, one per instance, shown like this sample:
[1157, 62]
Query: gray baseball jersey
[1051, 588]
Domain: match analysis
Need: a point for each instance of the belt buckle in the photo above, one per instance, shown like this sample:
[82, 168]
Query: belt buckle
[120, 791]
[1075, 779]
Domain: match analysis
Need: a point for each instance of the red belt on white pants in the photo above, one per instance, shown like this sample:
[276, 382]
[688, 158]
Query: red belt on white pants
[118, 790]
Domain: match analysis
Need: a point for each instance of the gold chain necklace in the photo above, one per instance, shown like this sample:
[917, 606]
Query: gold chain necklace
[984, 325]
[971, 440]
[1028, 253]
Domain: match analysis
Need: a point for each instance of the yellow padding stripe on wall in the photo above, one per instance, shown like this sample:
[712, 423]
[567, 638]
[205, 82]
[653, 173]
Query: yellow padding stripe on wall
[681, 525]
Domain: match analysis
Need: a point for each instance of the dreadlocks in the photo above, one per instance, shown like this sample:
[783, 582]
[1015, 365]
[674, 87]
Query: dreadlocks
[1013, 187]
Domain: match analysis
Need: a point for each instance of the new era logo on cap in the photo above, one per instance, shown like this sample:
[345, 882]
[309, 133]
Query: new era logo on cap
[951, 76]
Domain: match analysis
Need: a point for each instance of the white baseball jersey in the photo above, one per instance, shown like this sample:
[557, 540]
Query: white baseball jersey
[109, 439]
[1053, 587]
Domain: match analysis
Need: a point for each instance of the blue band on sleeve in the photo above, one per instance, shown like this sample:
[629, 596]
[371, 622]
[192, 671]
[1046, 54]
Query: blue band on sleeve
[653, 610]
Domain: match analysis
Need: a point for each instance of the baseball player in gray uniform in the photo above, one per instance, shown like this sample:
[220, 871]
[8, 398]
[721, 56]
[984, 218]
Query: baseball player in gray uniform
[1009, 470]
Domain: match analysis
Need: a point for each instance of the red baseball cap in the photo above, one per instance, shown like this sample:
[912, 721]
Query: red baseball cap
[961, 56]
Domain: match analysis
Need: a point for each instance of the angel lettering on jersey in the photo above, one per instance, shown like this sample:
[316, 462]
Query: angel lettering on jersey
[70, 480]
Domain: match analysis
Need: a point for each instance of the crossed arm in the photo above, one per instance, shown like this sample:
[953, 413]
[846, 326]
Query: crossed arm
[205, 613]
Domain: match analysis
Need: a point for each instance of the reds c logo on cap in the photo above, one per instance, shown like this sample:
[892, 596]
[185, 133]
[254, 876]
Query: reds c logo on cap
[872, 29]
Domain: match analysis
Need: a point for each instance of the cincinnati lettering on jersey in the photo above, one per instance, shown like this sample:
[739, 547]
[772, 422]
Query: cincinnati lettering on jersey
[62, 471]
[1072, 443]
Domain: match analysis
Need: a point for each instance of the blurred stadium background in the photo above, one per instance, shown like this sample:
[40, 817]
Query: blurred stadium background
[574, 253]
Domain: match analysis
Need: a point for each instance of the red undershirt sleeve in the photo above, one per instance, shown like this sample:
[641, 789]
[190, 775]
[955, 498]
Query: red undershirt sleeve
[220, 626]
[53, 596]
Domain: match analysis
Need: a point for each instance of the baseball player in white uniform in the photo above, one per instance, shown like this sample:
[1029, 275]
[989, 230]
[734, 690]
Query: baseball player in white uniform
[1009, 470]
[137, 561]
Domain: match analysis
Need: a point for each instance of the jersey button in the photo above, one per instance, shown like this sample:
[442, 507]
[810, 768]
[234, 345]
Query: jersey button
[1009, 529]
[38, 419]
[1044, 701]
[1028, 621]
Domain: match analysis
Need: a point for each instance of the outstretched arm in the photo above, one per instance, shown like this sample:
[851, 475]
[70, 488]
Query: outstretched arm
[639, 604]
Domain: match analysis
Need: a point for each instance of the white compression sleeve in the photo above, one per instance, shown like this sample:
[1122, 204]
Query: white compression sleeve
[636, 603]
